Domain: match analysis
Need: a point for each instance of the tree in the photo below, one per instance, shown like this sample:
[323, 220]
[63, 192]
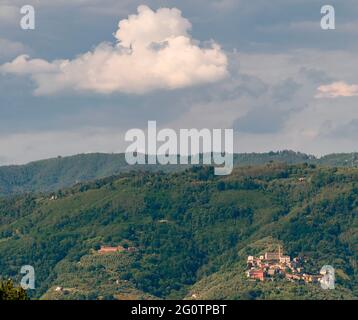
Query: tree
[9, 292]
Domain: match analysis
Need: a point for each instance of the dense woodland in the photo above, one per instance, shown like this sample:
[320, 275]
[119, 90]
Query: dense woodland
[192, 232]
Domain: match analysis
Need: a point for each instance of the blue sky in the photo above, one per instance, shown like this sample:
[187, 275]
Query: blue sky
[264, 68]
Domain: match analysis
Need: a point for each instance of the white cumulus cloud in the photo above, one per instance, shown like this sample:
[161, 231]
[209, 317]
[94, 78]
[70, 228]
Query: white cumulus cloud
[153, 51]
[337, 89]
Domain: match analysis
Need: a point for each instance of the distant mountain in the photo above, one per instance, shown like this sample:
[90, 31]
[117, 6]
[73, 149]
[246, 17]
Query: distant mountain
[192, 232]
[61, 172]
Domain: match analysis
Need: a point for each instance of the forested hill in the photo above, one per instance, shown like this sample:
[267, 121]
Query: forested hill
[53, 174]
[190, 232]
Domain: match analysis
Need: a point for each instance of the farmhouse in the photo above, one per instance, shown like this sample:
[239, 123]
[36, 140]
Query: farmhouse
[105, 249]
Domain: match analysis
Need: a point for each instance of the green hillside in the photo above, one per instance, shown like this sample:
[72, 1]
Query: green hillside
[232, 283]
[53, 174]
[96, 276]
[61, 172]
[190, 229]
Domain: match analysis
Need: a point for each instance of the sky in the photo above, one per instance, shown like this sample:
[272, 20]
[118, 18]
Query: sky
[93, 69]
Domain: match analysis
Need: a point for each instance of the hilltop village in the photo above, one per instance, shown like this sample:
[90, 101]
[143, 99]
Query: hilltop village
[275, 265]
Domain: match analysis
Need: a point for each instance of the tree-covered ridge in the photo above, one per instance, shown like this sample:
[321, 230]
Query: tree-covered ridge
[187, 227]
[61, 172]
